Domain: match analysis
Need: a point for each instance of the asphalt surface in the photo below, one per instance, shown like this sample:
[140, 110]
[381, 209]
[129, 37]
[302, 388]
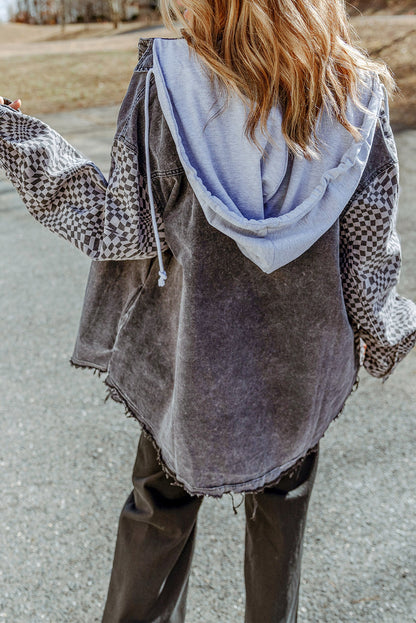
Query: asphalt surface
[66, 457]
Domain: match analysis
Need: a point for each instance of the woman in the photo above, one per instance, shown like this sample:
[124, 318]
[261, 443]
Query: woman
[254, 158]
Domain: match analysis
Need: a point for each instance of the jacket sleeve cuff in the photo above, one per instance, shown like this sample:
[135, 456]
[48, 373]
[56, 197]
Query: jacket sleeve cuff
[381, 361]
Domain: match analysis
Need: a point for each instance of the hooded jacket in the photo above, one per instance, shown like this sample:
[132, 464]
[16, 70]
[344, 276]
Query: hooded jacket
[275, 269]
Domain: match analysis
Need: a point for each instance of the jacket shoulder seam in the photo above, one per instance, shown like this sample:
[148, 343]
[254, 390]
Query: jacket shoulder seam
[381, 169]
[145, 54]
[392, 162]
[361, 188]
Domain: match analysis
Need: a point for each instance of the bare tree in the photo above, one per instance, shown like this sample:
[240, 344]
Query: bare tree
[115, 12]
[123, 9]
[63, 14]
[67, 11]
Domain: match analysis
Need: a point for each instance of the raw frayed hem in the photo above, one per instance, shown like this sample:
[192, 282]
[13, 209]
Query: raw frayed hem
[115, 394]
[293, 471]
[87, 366]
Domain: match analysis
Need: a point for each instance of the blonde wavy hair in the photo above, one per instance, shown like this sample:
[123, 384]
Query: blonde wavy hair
[297, 54]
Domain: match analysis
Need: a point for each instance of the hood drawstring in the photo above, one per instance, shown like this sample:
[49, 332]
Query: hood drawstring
[162, 272]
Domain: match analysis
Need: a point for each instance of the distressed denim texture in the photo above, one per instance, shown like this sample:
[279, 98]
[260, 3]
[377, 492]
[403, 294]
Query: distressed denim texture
[236, 374]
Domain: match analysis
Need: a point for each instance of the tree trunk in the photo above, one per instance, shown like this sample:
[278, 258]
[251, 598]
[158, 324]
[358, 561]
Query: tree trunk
[123, 9]
[87, 15]
[115, 12]
[63, 15]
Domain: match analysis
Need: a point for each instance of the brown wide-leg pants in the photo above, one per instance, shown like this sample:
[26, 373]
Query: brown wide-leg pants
[156, 538]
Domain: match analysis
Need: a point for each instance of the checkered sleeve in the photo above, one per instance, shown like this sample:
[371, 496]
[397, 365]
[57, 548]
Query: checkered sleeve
[383, 321]
[70, 196]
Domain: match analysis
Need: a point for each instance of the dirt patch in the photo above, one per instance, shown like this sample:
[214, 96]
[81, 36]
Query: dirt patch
[67, 82]
[386, 7]
[393, 40]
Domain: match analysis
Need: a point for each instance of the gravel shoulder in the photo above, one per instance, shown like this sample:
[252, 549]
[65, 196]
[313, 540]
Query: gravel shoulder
[66, 457]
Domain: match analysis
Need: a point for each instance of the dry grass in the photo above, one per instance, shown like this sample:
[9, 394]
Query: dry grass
[53, 72]
[66, 82]
[87, 67]
[27, 33]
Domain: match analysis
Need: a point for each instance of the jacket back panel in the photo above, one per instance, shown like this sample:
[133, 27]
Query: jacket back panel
[235, 373]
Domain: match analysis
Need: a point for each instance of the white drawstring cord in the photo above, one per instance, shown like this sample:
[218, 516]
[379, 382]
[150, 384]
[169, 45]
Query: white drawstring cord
[162, 272]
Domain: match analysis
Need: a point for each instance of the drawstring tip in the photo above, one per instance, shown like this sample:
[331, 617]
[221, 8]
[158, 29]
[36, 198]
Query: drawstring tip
[162, 278]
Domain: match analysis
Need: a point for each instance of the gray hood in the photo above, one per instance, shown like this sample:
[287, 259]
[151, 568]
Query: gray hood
[274, 207]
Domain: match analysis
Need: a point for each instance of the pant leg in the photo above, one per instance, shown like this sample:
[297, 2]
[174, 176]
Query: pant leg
[154, 547]
[275, 525]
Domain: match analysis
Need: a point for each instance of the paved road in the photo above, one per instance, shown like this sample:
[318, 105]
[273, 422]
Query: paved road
[66, 457]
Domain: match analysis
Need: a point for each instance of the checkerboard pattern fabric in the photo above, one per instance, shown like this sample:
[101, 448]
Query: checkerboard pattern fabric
[370, 259]
[69, 195]
[112, 221]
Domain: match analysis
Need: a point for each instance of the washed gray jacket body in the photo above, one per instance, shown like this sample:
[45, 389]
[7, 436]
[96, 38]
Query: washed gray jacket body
[239, 363]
